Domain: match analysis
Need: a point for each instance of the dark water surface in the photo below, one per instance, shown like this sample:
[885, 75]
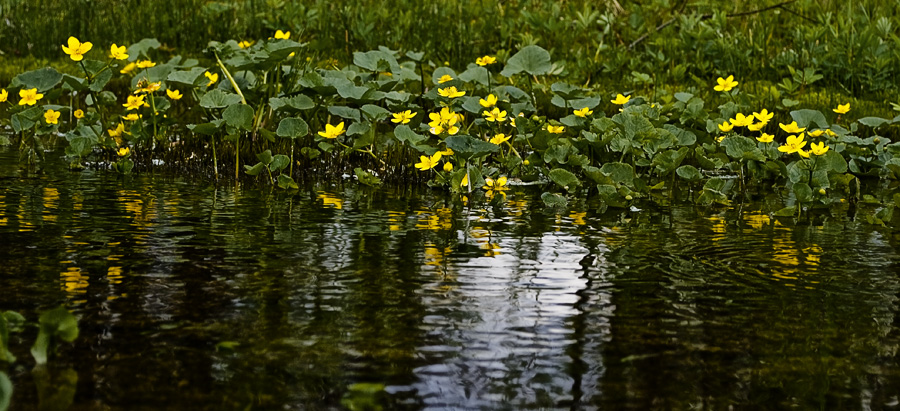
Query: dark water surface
[194, 297]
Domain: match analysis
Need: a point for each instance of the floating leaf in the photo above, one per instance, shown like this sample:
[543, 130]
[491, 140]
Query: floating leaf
[365, 177]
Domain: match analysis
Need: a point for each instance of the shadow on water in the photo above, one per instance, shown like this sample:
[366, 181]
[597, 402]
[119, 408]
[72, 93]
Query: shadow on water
[191, 296]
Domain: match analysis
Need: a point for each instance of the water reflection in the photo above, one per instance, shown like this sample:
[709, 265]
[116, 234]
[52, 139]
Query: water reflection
[230, 298]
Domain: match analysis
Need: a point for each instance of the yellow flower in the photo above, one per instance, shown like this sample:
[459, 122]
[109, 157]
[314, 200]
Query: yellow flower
[282, 35]
[620, 99]
[128, 67]
[79, 114]
[486, 60]
[149, 88]
[842, 108]
[134, 102]
[29, 96]
[726, 127]
[725, 84]
[444, 117]
[332, 131]
[791, 128]
[245, 44]
[765, 138]
[124, 151]
[3, 95]
[403, 117]
[830, 133]
[51, 116]
[555, 129]
[77, 49]
[132, 117]
[763, 116]
[803, 153]
[427, 163]
[451, 92]
[174, 94]
[495, 115]
[793, 144]
[499, 184]
[447, 152]
[448, 166]
[740, 120]
[213, 78]
[816, 133]
[117, 132]
[499, 139]
[756, 127]
[465, 180]
[818, 148]
[583, 112]
[445, 78]
[117, 52]
[489, 101]
[145, 64]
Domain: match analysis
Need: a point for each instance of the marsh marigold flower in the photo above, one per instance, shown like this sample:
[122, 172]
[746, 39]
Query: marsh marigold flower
[51, 116]
[145, 64]
[556, 129]
[149, 88]
[495, 115]
[842, 108]
[793, 144]
[332, 131]
[791, 128]
[131, 117]
[4, 95]
[124, 151]
[403, 117]
[29, 96]
[499, 139]
[486, 60]
[213, 78]
[448, 166]
[76, 49]
[763, 116]
[79, 114]
[427, 163]
[117, 132]
[128, 68]
[583, 112]
[245, 44]
[491, 184]
[174, 94]
[451, 92]
[740, 120]
[818, 148]
[118, 52]
[134, 102]
[725, 84]
[621, 100]
[726, 126]
[756, 127]
[283, 35]
[488, 101]
[445, 78]
[815, 133]
[765, 138]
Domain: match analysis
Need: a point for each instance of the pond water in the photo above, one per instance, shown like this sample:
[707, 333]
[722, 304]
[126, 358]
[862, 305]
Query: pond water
[192, 296]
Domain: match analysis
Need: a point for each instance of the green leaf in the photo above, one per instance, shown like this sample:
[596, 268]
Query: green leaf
[620, 172]
[55, 324]
[5, 355]
[265, 157]
[141, 48]
[553, 200]
[292, 127]
[345, 112]
[365, 177]
[239, 115]
[404, 134]
[742, 148]
[684, 137]
[873, 122]
[286, 182]
[42, 79]
[565, 179]
[207, 129]
[533, 60]
[475, 74]
[375, 113]
[6, 391]
[298, 102]
[803, 192]
[467, 146]
[219, 99]
[689, 172]
[254, 169]
[786, 212]
[806, 117]
[188, 78]
[280, 161]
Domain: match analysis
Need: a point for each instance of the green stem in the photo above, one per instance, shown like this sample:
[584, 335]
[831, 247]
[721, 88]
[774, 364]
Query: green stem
[230, 78]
